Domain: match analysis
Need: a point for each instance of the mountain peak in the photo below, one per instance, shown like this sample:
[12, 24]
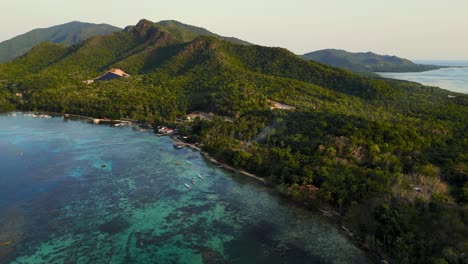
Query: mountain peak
[176, 30]
[144, 23]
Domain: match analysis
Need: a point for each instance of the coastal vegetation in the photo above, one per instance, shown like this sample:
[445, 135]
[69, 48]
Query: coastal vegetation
[389, 155]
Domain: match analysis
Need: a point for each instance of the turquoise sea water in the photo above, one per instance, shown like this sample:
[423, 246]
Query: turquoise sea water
[58, 205]
[452, 79]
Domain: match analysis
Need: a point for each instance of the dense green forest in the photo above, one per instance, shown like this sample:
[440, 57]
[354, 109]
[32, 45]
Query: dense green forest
[366, 62]
[390, 156]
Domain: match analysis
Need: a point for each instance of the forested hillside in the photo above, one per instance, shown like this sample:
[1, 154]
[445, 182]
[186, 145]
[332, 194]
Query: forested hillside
[390, 156]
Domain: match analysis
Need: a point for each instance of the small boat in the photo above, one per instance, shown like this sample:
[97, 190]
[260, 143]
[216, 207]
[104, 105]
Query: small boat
[178, 146]
[188, 186]
[188, 162]
[117, 125]
[200, 176]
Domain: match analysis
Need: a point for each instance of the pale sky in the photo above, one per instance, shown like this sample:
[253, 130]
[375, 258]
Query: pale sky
[414, 29]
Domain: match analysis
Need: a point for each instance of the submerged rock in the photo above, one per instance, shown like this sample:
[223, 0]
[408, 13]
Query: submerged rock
[114, 226]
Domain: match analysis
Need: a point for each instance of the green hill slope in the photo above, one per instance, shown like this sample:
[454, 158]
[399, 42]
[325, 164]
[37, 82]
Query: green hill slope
[366, 62]
[364, 143]
[67, 34]
[149, 46]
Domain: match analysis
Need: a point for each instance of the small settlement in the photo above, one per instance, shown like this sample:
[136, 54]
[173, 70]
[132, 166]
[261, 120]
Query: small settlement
[165, 131]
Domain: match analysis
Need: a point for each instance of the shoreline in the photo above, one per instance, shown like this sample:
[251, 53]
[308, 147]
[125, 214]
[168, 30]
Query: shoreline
[174, 139]
[230, 168]
[328, 212]
[211, 159]
[94, 120]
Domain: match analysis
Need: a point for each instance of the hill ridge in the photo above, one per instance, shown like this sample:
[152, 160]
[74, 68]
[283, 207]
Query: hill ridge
[366, 61]
[68, 33]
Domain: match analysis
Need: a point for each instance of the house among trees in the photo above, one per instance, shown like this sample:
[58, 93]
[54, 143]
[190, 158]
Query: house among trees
[110, 75]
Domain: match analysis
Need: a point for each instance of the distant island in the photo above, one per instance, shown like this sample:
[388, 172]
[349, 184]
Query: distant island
[67, 34]
[362, 62]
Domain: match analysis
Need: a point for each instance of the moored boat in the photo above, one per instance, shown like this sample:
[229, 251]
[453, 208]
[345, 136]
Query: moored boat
[178, 145]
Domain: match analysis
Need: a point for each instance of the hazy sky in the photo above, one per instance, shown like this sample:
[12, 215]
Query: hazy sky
[415, 29]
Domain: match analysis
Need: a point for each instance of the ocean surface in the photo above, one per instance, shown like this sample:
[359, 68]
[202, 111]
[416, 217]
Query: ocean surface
[59, 205]
[452, 79]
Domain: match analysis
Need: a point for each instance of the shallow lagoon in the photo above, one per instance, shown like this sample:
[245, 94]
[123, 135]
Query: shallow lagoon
[58, 205]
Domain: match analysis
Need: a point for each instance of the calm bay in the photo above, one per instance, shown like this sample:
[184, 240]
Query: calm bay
[452, 79]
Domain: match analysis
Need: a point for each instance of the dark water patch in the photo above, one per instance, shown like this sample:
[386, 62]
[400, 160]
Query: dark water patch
[221, 227]
[172, 192]
[210, 256]
[114, 226]
[158, 240]
[257, 245]
[141, 199]
[174, 216]
[262, 231]
[196, 209]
